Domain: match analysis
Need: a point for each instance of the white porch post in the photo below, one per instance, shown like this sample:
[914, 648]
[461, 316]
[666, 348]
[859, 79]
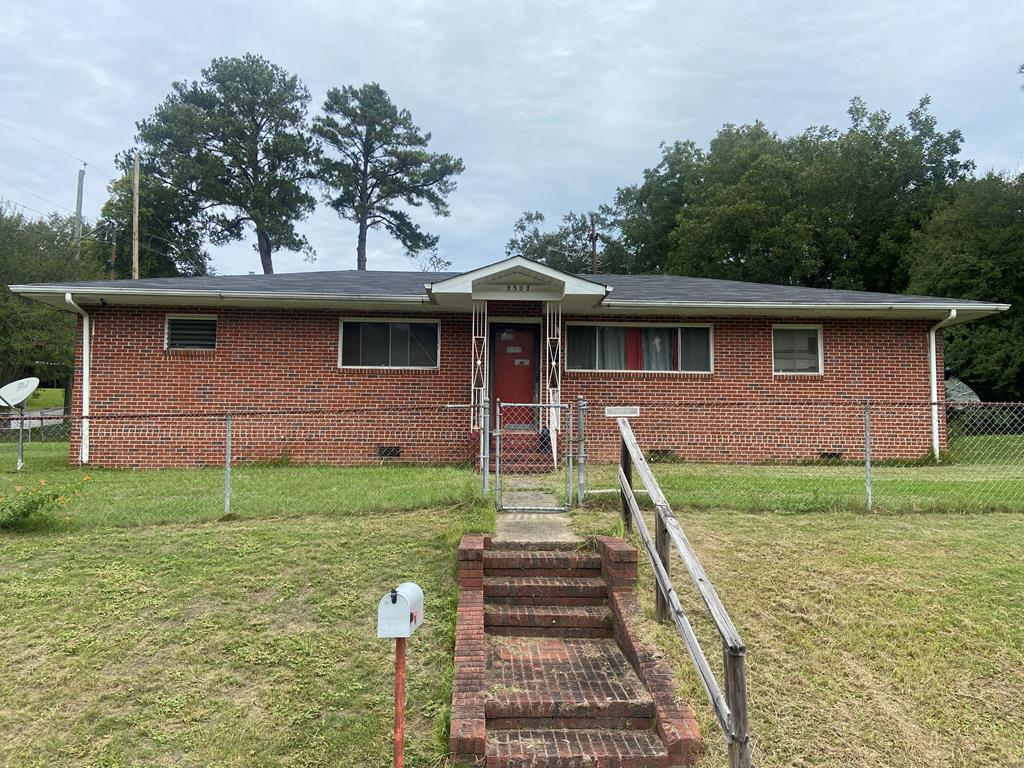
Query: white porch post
[478, 361]
[551, 376]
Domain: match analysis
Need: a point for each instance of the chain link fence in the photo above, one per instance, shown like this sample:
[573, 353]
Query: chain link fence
[812, 455]
[798, 455]
[252, 463]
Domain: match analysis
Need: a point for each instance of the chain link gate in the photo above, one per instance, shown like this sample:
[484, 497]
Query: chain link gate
[534, 446]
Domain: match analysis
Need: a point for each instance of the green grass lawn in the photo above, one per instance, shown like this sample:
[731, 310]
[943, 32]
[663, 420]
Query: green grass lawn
[142, 631]
[982, 473]
[873, 640]
[131, 497]
[45, 397]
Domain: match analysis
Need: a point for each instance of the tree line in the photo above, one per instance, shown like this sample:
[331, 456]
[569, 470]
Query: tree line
[880, 206]
[237, 154]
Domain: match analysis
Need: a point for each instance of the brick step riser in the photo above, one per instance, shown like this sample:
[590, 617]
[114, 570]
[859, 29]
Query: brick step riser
[551, 573]
[583, 761]
[592, 632]
[542, 600]
[530, 546]
[549, 617]
[526, 712]
[527, 559]
[572, 723]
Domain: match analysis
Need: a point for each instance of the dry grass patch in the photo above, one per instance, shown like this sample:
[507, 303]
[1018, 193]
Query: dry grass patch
[873, 640]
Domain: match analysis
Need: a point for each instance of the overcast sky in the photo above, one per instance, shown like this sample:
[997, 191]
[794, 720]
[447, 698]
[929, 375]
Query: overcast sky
[552, 105]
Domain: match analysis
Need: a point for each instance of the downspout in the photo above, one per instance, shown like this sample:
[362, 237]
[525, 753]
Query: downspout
[83, 448]
[934, 379]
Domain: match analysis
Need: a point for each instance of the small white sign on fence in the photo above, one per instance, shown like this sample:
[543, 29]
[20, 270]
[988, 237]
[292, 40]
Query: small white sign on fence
[621, 411]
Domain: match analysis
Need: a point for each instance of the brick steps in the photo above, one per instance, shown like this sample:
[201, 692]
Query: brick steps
[549, 620]
[549, 673]
[575, 748]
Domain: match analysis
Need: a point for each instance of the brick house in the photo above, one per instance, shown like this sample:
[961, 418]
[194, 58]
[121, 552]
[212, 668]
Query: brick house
[715, 369]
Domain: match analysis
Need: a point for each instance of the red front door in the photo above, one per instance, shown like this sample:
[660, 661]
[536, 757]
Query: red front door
[515, 371]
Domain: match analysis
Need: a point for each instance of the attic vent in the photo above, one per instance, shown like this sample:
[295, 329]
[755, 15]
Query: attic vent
[191, 333]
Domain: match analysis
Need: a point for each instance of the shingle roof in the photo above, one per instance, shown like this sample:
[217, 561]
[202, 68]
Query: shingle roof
[341, 283]
[676, 288]
[652, 289]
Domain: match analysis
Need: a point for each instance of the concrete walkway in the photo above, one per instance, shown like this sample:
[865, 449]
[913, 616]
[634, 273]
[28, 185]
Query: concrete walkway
[528, 493]
[533, 528]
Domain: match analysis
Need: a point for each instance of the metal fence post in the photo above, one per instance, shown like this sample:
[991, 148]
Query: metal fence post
[867, 452]
[227, 465]
[21, 441]
[497, 453]
[581, 407]
[485, 447]
[566, 414]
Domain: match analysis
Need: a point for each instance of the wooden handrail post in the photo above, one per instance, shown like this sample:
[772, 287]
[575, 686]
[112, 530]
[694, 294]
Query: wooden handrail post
[626, 462]
[661, 546]
[736, 697]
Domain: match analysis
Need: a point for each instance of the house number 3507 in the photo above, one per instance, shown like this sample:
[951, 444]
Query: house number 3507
[518, 288]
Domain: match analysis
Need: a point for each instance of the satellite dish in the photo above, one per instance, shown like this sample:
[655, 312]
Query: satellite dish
[18, 391]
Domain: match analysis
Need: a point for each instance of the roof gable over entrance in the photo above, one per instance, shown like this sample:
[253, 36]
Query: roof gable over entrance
[517, 279]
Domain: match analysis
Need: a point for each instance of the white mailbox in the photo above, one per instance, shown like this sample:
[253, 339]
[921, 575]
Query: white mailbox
[400, 611]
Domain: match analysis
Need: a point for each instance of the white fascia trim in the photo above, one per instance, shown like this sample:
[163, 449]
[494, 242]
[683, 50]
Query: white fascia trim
[803, 307]
[464, 283]
[99, 293]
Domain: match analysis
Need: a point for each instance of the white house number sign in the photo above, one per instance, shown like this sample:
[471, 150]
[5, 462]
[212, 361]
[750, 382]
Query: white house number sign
[517, 288]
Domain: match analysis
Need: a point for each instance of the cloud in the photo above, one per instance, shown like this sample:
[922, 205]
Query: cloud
[552, 105]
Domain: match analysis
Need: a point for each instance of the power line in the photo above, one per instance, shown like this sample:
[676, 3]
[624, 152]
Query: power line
[55, 148]
[28, 207]
[30, 192]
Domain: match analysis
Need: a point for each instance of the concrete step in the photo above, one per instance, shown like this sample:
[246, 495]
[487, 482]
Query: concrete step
[559, 563]
[580, 748]
[531, 678]
[545, 590]
[549, 620]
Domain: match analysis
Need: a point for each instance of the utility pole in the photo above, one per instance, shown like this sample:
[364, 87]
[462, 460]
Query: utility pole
[135, 218]
[113, 250]
[78, 212]
[593, 246]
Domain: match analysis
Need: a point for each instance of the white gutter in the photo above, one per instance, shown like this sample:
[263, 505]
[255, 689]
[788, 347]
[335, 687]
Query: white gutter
[83, 448]
[934, 379]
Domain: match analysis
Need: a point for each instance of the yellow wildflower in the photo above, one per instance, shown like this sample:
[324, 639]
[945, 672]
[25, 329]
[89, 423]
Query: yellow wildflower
[42, 482]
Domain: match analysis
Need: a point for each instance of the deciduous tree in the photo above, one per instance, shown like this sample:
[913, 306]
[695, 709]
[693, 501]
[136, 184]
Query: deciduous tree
[37, 340]
[974, 248]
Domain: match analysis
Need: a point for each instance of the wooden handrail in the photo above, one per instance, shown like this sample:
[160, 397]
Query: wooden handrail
[731, 706]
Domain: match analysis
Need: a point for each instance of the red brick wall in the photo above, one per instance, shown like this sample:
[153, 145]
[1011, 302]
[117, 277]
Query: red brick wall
[266, 360]
[287, 360]
[744, 412]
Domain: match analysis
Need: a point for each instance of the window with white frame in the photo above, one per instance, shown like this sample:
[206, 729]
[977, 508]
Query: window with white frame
[797, 349]
[685, 349]
[190, 332]
[389, 344]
